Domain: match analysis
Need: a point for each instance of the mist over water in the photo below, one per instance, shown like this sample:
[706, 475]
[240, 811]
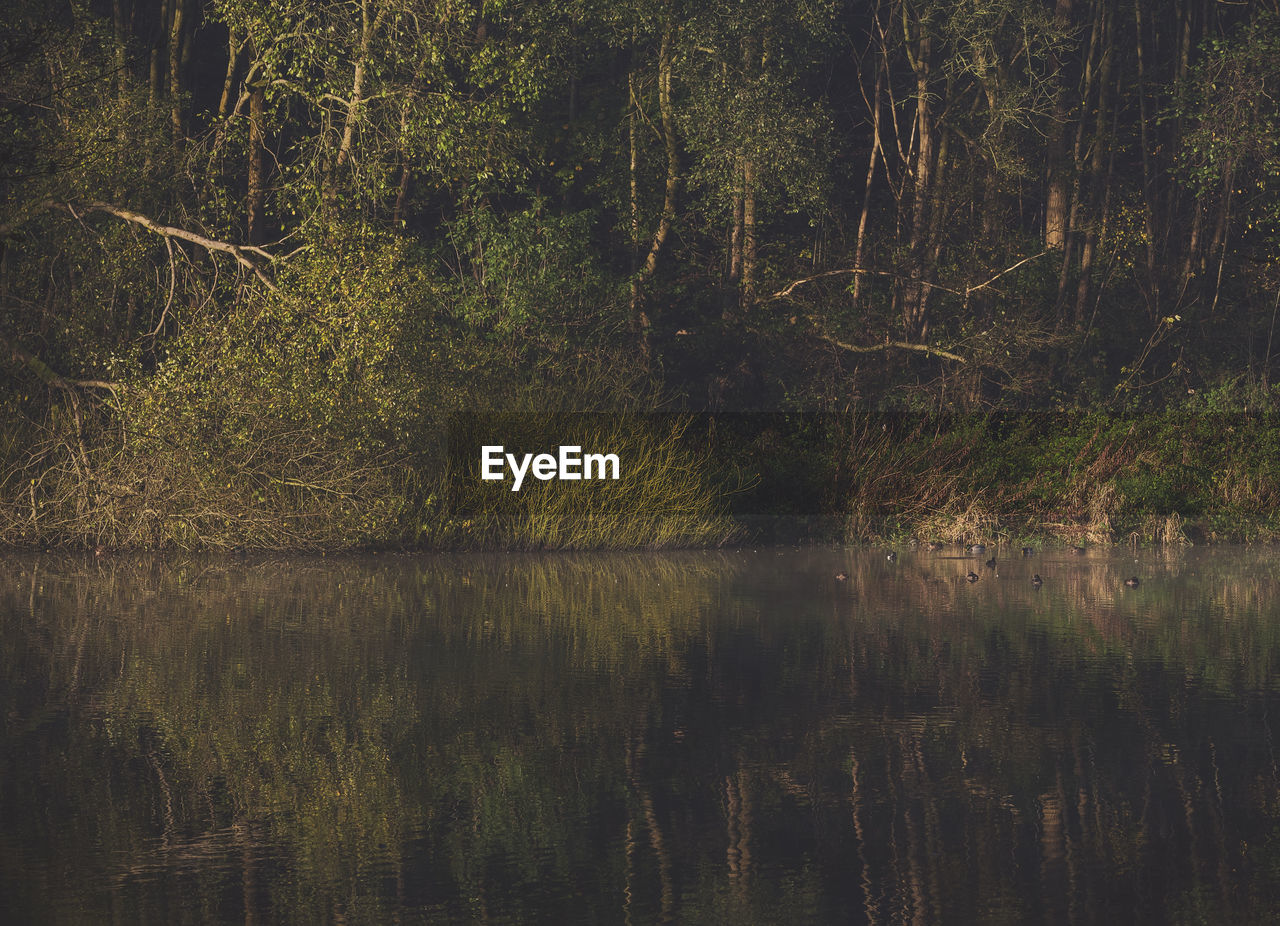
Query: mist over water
[707, 737]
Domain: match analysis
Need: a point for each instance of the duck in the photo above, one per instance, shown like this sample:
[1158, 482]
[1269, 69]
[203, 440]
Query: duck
[978, 548]
[991, 563]
[972, 576]
[1036, 580]
[935, 546]
[842, 576]
[1132, 582]
[1027, 551]
[892, 557]
[1077, 550]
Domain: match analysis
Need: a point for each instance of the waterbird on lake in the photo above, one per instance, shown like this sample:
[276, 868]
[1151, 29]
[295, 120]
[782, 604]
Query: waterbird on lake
[841, 576]
[991, 563]
[892, 556]
[978, 548]
[1027, 551]
[972, 576]
[1077, 550]
[1132, 582]
[935, 546]
[1036, 580]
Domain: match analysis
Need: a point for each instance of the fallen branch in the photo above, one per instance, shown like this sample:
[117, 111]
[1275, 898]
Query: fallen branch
[893, 345]
[854, 271]
[974, 289]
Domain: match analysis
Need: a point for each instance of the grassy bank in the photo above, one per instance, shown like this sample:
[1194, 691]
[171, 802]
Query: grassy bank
[148, 476]
[1206, 469]
[139, 486]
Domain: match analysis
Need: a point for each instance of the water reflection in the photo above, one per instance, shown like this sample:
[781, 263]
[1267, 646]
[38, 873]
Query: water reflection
[638, 738]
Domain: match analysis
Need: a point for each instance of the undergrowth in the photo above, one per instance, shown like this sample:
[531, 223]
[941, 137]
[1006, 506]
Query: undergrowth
[1204, 470]
[142, 474]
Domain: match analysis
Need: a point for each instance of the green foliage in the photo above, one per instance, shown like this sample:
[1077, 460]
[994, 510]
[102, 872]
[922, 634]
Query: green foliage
[1205, 469]
[1000, 46]
[1232, 148]
[743, 72]
[459, 206]
[529, 276]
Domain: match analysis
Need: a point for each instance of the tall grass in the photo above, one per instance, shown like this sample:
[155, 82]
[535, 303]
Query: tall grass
[663, 497]
[1205, 469]
[145, 476]
[167, 478]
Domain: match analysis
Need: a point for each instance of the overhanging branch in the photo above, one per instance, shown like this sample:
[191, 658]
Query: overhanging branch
[1010, 269]
[242, 253]
[246, 255]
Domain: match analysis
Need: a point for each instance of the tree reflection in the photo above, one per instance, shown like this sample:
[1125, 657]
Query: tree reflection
[648, 738]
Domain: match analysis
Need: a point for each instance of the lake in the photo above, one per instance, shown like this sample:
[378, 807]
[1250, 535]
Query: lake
[634, 738]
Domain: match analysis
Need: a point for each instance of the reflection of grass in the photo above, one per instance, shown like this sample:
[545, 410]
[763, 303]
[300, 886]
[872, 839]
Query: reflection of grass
[523, 716]
[336, 705]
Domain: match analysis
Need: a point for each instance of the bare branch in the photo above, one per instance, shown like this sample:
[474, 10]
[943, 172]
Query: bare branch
[239, 252]
[974, 289]
[893, 345]
[853, 271]
[173, 285]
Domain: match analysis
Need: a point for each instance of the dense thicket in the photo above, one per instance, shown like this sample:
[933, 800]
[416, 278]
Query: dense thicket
[255, 252]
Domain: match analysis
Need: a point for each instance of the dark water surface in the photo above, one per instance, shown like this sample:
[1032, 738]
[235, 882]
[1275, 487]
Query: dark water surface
[706, 737]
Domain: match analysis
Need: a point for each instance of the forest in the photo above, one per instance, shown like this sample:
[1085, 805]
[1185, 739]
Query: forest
[847, 269]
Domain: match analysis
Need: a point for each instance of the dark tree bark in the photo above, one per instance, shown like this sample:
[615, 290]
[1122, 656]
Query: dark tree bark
[257, 186]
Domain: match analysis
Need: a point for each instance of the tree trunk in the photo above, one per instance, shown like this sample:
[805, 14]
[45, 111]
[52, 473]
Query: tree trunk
[733, 289]
[748, 234]
[871, 174]
[673, 161]
[406, 169]
[639, 319]
[367, 29]
[257, 193]
[915, 292]
[1148, 194]
[120, 34]
[1055, 210]
[175, 68]
[1221, 238]
[228, 82]
[155, 79]
[1092, 192]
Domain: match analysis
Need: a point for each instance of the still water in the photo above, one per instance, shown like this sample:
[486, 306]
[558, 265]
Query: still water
[727, 737]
